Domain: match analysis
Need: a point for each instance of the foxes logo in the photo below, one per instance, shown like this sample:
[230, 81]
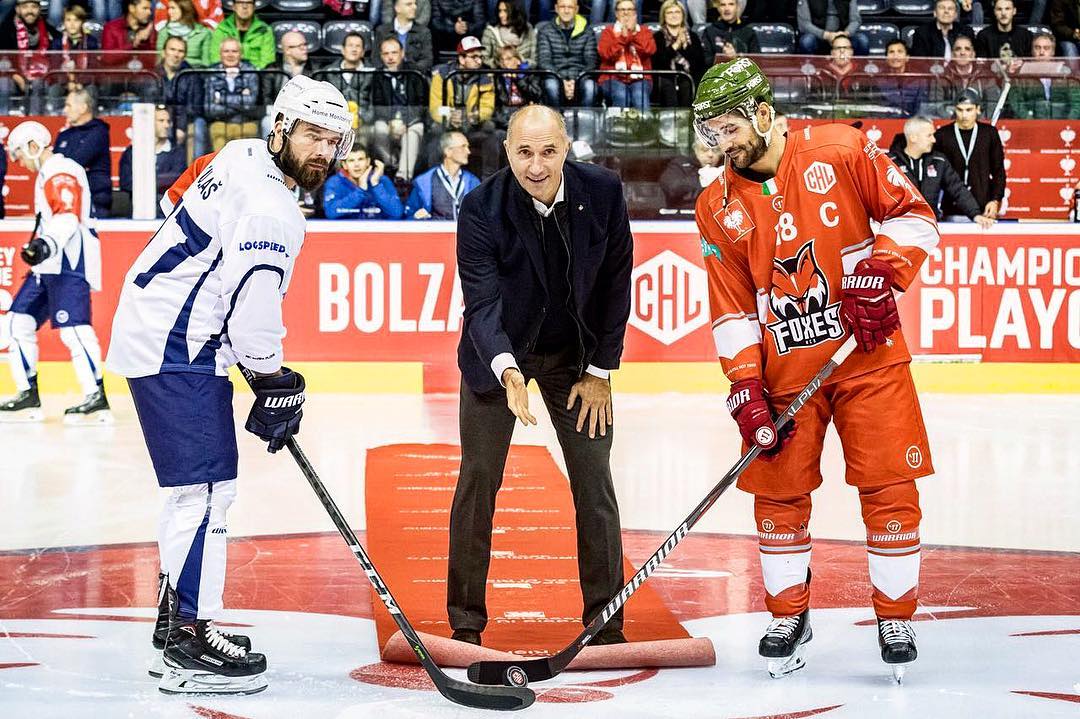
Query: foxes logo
[800, 303]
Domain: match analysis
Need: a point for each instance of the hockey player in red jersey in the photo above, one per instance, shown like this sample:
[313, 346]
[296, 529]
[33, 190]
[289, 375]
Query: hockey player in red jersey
[806, 236]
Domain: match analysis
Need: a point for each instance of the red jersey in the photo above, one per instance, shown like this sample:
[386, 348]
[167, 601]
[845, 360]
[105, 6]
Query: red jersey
[776, 252]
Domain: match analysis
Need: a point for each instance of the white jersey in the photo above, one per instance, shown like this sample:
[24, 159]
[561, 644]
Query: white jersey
[206, 292]
[62, 198]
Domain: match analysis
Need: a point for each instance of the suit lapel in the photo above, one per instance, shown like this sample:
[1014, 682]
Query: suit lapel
[577, 213]
[522, 216]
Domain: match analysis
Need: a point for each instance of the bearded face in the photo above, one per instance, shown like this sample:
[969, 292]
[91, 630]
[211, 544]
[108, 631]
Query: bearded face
[309, 172]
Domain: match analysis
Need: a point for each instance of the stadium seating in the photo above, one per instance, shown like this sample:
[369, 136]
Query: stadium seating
[310, 29]
[296, 5]
[907, 33]
[334, 32]
[775, 37]
[259, 5]
[913, 7]
[880, 35]
[873, 7]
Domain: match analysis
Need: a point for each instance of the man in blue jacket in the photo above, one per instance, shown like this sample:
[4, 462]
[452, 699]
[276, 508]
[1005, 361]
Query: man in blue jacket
[360, 191]
[86, 141]
[437, 193]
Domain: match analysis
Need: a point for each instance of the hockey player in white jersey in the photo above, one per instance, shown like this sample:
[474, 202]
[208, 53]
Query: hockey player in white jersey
[65, 264]
[203, 295]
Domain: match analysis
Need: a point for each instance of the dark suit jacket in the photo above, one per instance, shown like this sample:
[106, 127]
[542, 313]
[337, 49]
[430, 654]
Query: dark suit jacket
[927, 40]
[500, 261]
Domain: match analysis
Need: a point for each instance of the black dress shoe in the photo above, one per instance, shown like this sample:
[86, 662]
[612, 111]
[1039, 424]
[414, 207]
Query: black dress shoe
[468, 636]
[610, 635]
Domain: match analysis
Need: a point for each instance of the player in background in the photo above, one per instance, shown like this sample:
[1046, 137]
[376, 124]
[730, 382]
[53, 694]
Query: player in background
[794, 266]
[65, 264]
[206, 294]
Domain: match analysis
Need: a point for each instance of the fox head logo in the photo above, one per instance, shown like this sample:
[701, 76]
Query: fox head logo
[798, 285]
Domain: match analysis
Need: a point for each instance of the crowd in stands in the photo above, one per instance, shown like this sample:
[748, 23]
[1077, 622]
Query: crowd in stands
[433, 82]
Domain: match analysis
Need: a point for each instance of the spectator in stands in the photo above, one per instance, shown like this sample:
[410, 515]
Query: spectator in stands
[677, 48]
[385, 10]
[822, 20]
[294, 61]
[257, 44]
[26, 31]
[232, 96]
[208, 13]
[906, 93]
[685, 177]
[513, 91]
[1003, 39]
[414, 38]
[963, 72]
[840, 69]
[728, 35]
[170, 159]
[398, 106]
[1044, 98]
[74, 43]
[134, 30]
[566, 45]
[352, 76]
[970, 12]
[73, 36]
[936, 39]
[975, 151]
[86, 141]
[183, 23]
[509, 28]
[470, 97]
[437, 193]
[626, 45]
[1065, 22]
[931, 172]
[360, 190]
[184, 97]
[454, 20]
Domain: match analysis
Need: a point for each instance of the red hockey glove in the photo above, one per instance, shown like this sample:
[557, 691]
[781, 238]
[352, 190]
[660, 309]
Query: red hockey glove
[868, 307]
[751, 411]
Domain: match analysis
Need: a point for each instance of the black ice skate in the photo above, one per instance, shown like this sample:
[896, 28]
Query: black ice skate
[93, 410]
[897, 641]
[166, 614]
[23, 407]
[784, 644]
[199, 659]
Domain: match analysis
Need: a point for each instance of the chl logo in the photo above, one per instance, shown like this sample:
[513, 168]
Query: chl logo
[820, 177]
[800, 302]
[669, 295]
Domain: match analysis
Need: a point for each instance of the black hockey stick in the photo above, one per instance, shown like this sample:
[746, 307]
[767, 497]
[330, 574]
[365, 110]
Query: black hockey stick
[519, 674]
[459, 692]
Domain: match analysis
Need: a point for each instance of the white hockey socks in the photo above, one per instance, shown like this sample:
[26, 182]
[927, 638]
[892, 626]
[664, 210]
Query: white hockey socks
[82, 343]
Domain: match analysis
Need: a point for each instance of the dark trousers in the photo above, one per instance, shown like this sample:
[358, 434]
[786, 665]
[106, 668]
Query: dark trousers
[487, 426]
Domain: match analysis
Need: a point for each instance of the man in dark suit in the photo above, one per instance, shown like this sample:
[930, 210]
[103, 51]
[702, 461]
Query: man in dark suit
[935, 39]
[544, 254]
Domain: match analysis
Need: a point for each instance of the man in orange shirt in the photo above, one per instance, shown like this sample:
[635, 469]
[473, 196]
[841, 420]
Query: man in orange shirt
[794, 266]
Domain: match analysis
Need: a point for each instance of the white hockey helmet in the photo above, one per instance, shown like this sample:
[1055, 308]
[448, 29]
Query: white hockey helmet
[317, 102]
[25, 133]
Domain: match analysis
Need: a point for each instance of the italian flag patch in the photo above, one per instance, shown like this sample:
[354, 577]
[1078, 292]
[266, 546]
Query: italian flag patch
[769, 187]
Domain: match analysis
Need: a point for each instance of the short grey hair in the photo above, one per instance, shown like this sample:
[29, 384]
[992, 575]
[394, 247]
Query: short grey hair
[447, 138]
[84, 97]
[915, 121]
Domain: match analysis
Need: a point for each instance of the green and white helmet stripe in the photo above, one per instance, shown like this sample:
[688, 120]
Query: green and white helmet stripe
[734, 86]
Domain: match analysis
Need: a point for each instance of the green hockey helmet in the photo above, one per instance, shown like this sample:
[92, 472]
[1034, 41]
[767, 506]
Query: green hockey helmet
[735, 86]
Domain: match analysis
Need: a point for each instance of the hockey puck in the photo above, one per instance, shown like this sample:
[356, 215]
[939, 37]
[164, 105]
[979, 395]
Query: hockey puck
[516, 677]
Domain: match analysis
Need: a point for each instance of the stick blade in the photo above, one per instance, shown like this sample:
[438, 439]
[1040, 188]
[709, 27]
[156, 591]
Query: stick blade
[495, 672]
[495, 698]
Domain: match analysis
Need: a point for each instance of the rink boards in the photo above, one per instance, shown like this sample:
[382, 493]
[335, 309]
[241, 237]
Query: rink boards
[376, 307]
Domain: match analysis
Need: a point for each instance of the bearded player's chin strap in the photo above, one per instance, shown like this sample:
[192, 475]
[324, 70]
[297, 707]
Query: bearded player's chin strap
[275, 155]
